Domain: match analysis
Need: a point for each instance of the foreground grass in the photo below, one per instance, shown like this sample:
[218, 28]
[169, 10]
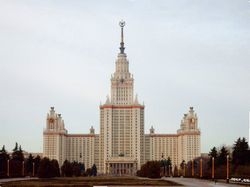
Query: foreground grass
[90, 181]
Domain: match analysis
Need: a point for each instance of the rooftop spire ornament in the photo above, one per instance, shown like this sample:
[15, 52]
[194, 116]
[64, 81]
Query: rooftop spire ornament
[122, 48]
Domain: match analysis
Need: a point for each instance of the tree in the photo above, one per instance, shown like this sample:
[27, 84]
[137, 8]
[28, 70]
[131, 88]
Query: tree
[150, 169]
[16, 163]
[169, 166]
[222, 158]
[88, 172]
[175, 171]
[55, 168]
[36, 164]
[213, 154]
[29, 165]
[3, 150]
[94, 170]
[163, 164]
[240, 152]
[182, 165]
[20, 148]
[44, 170]
[48, 168]
[16, 148]
[3, 162]
[82, 168]
[17, 154]
[76, 169]
[67, 169]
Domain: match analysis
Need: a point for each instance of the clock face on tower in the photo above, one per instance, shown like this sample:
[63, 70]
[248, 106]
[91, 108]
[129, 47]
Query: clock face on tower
[122, 80]
[51, 120]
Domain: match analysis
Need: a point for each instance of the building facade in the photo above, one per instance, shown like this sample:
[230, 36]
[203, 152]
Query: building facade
[122, 145]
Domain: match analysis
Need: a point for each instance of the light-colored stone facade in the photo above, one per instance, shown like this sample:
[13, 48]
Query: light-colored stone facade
[122, 145]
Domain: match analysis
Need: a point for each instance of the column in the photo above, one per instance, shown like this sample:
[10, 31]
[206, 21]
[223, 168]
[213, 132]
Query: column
[126, 168]
[106, 168]
[111, 169]
[120, 168]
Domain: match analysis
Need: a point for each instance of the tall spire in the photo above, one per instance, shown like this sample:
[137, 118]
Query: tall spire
[122, 48]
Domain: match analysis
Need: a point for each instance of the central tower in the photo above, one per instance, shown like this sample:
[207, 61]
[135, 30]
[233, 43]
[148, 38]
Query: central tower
[121, 122]
[122, 83]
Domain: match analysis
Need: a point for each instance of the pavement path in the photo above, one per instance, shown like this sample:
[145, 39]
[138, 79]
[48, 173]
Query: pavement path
[16, 179]
[189, 182]
[199, 183]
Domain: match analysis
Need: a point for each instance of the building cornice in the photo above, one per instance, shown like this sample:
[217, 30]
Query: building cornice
[163, 135]
[54, 133]
[81, 135]
[122, 106]
[189, 133]
[70, 135]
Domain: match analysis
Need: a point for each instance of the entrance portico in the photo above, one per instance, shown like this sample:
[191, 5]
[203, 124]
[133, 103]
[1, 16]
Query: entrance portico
[121, 166]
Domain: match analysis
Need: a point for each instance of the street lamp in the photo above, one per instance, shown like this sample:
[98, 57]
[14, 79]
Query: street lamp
[212, 167]
[33, 169]
[192, 168]
[8, 168]
[23, 168]
[169, 169]
[164, 168]
[184, 170]
[227, 168]
[163, 162]
[201, 168]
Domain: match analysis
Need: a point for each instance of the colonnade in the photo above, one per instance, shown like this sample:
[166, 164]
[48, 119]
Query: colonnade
[121, 168]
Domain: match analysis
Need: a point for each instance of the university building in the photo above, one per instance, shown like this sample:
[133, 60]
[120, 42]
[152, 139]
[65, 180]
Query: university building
[122, 145]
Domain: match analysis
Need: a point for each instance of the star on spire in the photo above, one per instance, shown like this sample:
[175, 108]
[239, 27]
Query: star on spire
[122, 48]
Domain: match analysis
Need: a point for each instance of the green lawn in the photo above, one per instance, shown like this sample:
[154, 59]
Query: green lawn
[90, 181]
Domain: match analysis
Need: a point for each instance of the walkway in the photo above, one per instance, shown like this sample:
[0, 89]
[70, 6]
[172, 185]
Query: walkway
[198, 183]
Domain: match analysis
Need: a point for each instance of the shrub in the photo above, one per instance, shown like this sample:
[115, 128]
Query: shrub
[48, 168]
[67, 169]
[151, 169]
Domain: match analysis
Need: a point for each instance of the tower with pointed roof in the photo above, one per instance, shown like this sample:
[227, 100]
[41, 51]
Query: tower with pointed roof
[188, 137]
[121, 121]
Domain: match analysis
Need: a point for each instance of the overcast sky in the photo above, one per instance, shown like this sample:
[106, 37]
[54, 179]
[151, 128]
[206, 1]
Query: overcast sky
[182, 53]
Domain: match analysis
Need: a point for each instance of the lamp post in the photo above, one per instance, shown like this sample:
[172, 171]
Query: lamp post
[184, 170]
[192, 168]
[164, 169]
[169, 169]
[33, 169]
[23, 168]
[227, 168]
[164, 164]
[8, 168]
[212, 167]
[201, 168]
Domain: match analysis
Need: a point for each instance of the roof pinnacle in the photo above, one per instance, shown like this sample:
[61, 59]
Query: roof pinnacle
[122, 48]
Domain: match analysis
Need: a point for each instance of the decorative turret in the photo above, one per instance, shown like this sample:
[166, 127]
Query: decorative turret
[91, 130]
[136, 102]
[107, 100]
[189, 121]
[55, 122]
[151, 130]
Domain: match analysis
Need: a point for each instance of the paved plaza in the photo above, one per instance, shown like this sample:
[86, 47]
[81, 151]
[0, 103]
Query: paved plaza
[189, 182]
[199, 183]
